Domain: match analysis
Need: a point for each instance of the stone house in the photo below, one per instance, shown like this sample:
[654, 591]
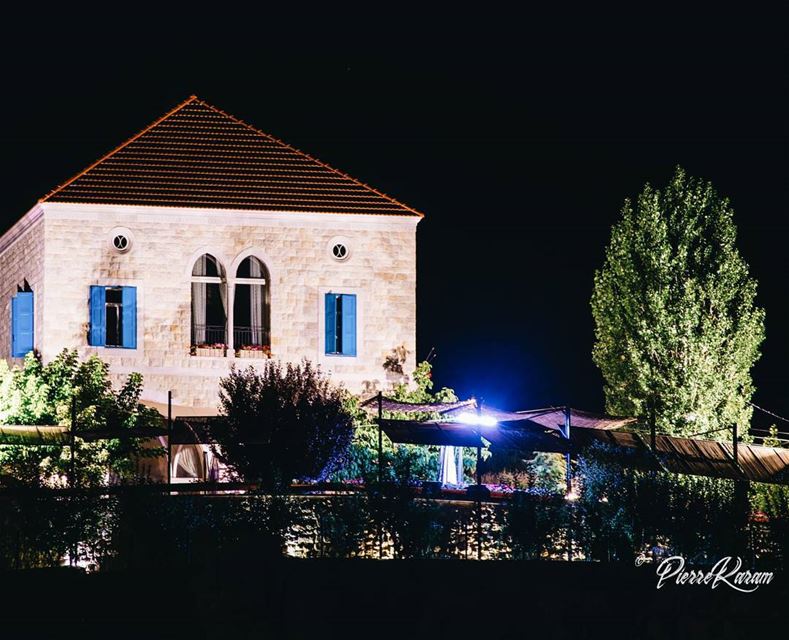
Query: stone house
[203, 242]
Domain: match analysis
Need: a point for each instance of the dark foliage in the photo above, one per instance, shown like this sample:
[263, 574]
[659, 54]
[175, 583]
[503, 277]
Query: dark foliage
[284, 423]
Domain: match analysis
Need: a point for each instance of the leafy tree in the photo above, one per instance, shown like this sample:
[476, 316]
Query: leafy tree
[674, 308]
[772, 440]
[404, 461]
[286, 422]
[38, 394]
[542, 471]
[422, 389]
[626, 509]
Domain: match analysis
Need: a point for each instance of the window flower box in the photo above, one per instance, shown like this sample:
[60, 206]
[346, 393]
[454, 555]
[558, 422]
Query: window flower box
[254, 351]
[210, 350]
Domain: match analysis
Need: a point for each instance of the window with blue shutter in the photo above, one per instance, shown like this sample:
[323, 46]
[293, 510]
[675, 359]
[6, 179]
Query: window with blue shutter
[21, 324]
[348, 325]
[340, 321]
[330, 310]
[96, 337]
[113, 317]
[129, 305]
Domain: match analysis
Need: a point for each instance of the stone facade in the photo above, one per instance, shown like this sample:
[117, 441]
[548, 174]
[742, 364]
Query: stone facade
[22, 259]
[65, 248]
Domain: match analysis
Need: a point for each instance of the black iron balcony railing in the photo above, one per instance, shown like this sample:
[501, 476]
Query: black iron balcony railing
[248, 336]
[206, 334]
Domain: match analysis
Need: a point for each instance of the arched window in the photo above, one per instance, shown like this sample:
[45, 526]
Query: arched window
[251, 315]
[209, 304]
[188, 462]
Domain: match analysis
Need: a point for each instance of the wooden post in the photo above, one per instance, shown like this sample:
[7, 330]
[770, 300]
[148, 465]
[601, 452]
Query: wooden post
[169, 437]
[734, 446]
[568, 474]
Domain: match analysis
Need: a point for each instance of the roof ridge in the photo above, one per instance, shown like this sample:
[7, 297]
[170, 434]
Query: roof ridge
[175, 109]
[307, 155]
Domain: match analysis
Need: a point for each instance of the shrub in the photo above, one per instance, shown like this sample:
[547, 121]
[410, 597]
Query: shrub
[283, 423]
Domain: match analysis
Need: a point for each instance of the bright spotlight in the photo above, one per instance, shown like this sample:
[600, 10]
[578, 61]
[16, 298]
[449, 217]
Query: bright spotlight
[474, 418]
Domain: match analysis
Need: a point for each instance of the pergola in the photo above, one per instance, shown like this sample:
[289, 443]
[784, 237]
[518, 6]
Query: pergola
[570, 431]
[465, 424]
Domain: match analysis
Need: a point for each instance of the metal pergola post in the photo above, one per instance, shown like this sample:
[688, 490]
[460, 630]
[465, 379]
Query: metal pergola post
[380, 436]
[73, 468]
[72, 443]
[169, 437]
[568, 473]
[379, 524]
[479, 483]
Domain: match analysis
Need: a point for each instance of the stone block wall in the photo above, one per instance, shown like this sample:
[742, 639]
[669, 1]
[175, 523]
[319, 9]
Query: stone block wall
[296, 249]
[22, 258]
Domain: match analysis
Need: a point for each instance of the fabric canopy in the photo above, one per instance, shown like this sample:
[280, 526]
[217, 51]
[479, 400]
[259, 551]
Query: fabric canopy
[553, 418]
[26, 434]
[711, 458]
[388, 404]
[454, 434]
[44, 435]
[541, 431]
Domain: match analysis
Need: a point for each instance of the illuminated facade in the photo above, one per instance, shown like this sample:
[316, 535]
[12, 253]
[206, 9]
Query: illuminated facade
[203, 242]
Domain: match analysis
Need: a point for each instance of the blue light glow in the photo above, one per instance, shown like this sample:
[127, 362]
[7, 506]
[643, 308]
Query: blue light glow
[474, 418]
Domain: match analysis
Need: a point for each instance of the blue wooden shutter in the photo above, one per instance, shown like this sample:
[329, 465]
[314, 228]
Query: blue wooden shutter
[21, 324]
[129, 301]
[98, 316]
[14, 329]
[330, 313]
[349, 325]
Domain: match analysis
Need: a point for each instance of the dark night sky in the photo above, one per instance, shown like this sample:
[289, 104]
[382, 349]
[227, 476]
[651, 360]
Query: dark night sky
[519, 139]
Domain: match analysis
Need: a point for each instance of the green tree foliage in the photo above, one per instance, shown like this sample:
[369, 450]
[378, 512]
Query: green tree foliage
[38, 394]
[674, 308]
[543, 471]
[286, 422]
[404, 461]
[772, 440]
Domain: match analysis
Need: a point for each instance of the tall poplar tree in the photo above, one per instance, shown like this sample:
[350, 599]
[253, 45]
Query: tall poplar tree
[676, 324]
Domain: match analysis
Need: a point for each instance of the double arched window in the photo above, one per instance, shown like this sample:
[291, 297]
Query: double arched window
[230, 312]
[209, 303]
[251, 305]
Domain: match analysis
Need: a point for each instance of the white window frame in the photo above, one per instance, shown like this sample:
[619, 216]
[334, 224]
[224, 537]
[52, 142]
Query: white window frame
[361, 303]
[104, 351]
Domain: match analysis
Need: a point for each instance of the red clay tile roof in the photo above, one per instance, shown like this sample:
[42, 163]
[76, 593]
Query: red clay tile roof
[199, 156]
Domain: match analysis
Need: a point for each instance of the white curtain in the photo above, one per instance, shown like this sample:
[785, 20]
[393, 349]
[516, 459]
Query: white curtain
[212, 467]
[223, 296]
[188, 461]
[256, 302]
[256, 312]
[199, 311]
[450, 470]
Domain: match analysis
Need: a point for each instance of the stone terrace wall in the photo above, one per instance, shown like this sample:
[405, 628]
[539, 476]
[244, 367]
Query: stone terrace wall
[296, 249]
